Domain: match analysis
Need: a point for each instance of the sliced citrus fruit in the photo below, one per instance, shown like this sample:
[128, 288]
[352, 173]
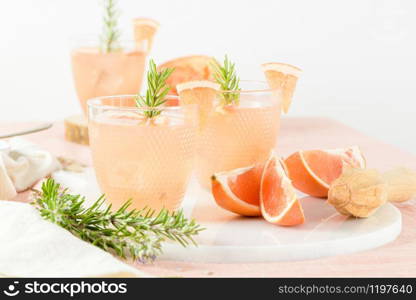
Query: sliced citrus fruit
[278, 201]
[284, 77]
[312, 171]
[187, 68]
[202, 93]
[144, 31]
[238, 190]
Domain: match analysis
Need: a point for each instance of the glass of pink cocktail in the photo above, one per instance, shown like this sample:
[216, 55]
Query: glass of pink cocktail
[238, 134]
[99, 73]
[148, 160]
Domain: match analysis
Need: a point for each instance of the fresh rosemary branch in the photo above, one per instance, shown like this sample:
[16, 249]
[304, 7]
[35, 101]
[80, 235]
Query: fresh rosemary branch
[157, 89]
[135, 233]
[111, 34]
[226, 76]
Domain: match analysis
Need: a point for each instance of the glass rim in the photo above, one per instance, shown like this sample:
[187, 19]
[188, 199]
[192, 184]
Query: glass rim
[89, 37]
[254, 90]
[96, 103]
[91, 40]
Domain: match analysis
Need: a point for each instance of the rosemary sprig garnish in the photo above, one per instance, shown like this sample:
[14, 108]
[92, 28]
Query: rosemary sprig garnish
[138, 233]
[110, 36]
[226, 76]
[157, 89]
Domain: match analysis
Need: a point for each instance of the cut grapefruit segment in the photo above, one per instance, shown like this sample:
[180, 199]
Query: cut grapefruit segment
[238, 190]
[282, 76]
[313, 171]
[278, 201]
[144, 31]
[187, 68]
[202, 93]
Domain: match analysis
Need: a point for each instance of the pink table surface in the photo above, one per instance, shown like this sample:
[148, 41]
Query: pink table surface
[395, 259]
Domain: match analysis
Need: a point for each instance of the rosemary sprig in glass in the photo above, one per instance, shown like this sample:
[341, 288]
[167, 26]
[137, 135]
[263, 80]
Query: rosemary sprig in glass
[157, 90]
[226, 76]
[110, 36]
[135, 233]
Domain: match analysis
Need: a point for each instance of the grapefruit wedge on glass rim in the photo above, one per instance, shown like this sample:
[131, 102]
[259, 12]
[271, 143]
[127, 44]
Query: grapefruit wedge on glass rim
[238, 190]
[187, 68]
[312, 171]
[282, 76]
[278, 200]
[145, 30]
[202, 93]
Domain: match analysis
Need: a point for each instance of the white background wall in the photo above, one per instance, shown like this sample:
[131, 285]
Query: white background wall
[358, 55]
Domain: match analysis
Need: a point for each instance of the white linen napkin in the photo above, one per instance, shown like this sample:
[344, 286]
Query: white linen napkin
[22, 164]
[7, 190]
[33, 247]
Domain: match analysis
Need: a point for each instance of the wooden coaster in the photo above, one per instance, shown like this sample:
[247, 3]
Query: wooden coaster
[76, 129]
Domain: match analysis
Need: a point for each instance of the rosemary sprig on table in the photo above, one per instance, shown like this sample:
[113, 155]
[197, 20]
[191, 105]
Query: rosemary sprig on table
[226, 76]
[110, 36]
[157, 89]
[135, 233]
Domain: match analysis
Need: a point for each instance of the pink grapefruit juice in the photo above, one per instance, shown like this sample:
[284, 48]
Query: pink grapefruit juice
[238, 135]
[147, 160]
[98, 74]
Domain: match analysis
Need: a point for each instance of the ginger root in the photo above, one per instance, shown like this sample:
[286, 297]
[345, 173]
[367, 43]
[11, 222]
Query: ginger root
[401, 184]
[358, 192]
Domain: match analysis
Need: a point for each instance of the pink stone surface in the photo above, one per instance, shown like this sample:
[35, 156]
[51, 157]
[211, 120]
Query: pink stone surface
[395, 259]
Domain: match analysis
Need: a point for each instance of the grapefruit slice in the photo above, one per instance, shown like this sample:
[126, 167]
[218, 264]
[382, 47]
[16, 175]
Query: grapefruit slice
[282, 76]
[278, 201]
[187, 68]
[313, 171]
[144, 31]
[238, 190]
[202, 93]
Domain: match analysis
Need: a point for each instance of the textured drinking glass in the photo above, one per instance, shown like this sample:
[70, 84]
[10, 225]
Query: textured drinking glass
[97, 73]
[148, 160]
[239, 135]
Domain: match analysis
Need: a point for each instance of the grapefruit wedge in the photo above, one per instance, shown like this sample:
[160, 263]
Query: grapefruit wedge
[313, 171]
[202, 93]
[282, 76]
[187, 68]
[278, 201]
[144, 31]
[238, 190]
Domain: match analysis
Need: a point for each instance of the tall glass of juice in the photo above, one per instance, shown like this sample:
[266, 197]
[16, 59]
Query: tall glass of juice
[238, 134]
[148, 160]
[99, 73]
